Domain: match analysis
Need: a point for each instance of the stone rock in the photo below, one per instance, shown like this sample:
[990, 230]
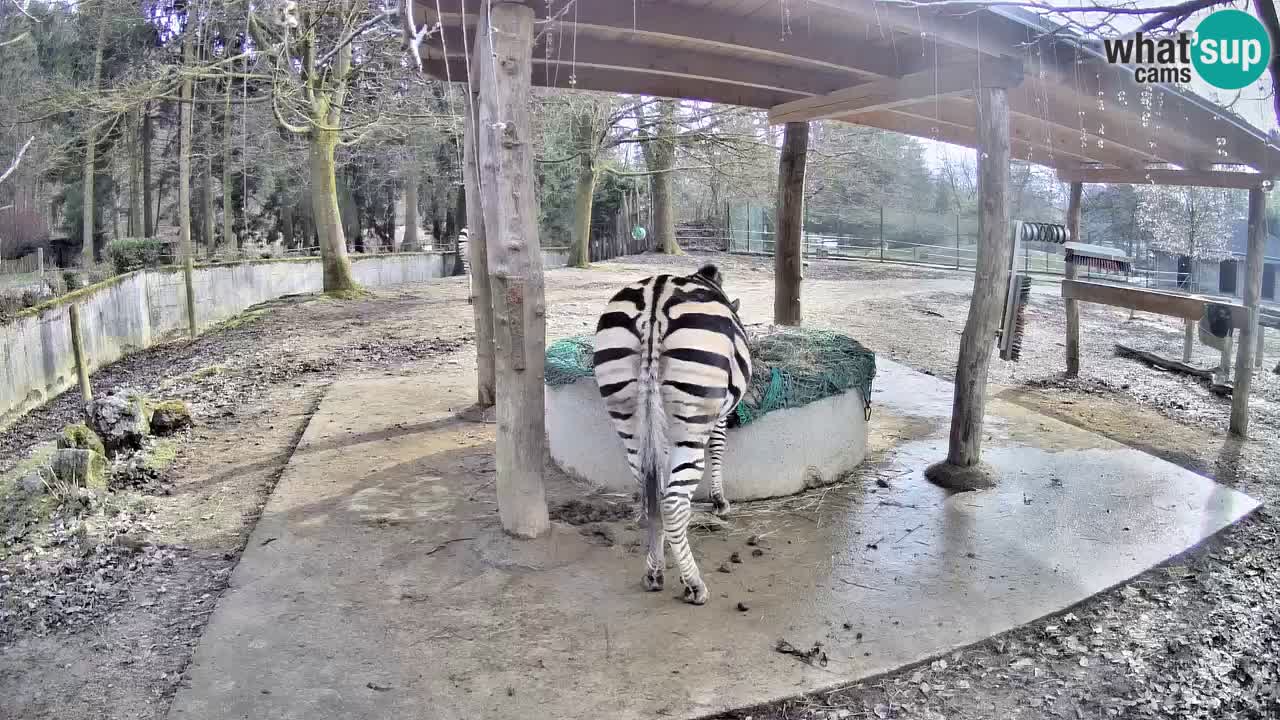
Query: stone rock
[170, 416]
[81, 468]
[119, 419]
[81, 437]
[33, 484]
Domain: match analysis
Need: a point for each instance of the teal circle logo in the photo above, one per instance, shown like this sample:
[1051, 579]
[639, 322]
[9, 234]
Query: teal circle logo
[1232, 49]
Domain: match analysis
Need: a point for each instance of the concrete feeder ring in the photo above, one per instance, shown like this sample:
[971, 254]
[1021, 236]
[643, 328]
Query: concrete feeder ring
[782, 453]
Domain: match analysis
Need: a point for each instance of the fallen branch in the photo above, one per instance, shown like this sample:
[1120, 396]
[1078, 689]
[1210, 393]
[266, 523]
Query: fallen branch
[442, 545]
[1163, 363]
[1176, 366]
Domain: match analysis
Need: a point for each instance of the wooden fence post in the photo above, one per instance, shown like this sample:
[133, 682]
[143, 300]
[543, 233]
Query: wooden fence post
[1188, 339]
[77, 348]
[1252, 299]
[509, 203]
[961, 469]
[1069, 269]
[787, 255]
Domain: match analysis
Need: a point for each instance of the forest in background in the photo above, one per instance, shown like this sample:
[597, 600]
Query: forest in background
[306, 127]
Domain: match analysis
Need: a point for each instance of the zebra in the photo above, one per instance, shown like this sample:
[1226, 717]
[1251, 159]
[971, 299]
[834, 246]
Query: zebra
[464, 259]
[671, 361]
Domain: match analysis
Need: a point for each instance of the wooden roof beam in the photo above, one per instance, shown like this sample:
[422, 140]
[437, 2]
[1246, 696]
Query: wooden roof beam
[889, 93]
[1165, 176]
[969, 28]
[640, 82]
[703, 30]
[963, 135]
[629, 57]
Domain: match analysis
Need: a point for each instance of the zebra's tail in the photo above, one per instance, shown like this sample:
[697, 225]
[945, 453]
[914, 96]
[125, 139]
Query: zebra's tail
[653, 438]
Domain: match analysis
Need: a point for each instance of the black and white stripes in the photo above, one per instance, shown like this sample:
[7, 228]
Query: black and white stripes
[671, 361]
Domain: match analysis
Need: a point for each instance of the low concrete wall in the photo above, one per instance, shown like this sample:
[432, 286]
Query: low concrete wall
[782, 453]
[133, 311]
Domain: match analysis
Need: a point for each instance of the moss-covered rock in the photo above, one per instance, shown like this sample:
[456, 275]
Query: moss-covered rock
[119, 419]
[169, 416]
[81, 468]
[81, 437]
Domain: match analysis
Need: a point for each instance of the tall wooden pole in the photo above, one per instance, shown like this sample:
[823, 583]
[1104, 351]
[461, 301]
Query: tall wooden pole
[1252, 298]
[1073, 306]
[961, 469]
[77, 349]
[184, 186]
[509, 202]
[788, 262]
[481, 303]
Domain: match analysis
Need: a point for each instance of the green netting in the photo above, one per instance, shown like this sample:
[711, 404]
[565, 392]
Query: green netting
[569, 360]
[791, 367]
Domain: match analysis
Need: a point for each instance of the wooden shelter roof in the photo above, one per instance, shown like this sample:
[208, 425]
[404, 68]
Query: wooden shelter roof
[886, 65]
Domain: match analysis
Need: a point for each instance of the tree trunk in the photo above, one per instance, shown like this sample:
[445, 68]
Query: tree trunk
[664, 152]
[338, 279]
[1252, 297]
[184, 186]
[788, 258]
[286, 225]
[481, 301]
[87, 214]
[115, 210]
[148, 221]
[505, 156]
[583, 195]
[1073, 306]
[991, 276]
[411, 231]
[228, 208]
[208, 211]
[135, 177]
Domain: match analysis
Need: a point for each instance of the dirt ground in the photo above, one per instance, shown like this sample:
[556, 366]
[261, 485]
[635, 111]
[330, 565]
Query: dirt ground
[105, 627]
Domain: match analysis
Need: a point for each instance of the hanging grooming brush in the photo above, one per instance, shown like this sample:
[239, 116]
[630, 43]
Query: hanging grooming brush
[1013, 324]
[1018, 292]
[1097, 257]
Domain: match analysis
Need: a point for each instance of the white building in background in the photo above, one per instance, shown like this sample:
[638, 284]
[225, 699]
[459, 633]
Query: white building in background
[1221, 277]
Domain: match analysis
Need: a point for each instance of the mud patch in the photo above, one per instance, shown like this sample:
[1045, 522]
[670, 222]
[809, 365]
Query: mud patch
[585, 511]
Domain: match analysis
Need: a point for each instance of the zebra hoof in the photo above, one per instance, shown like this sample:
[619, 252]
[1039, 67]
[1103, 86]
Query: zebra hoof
[720, 507]
[696, 593]
[653, 580]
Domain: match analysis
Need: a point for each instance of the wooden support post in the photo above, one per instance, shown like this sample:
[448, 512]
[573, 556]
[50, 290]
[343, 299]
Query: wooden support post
[1188, 339]
[787, 257]
[77, 348]
[509, 201]
[1252, 299]
[40, 261]
[480, 299]
[1073, 306]
[961, 469]
[1262, 341]
[957, 241]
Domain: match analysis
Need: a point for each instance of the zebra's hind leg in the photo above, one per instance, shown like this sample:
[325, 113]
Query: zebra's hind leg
[715, 453]
[686, 473]
[656, 558]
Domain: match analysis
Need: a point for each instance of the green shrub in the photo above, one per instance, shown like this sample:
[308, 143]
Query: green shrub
[71, 279]
[132, 254]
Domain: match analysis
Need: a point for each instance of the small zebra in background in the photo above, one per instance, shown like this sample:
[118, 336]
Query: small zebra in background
[671, 361]
[464, 259]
